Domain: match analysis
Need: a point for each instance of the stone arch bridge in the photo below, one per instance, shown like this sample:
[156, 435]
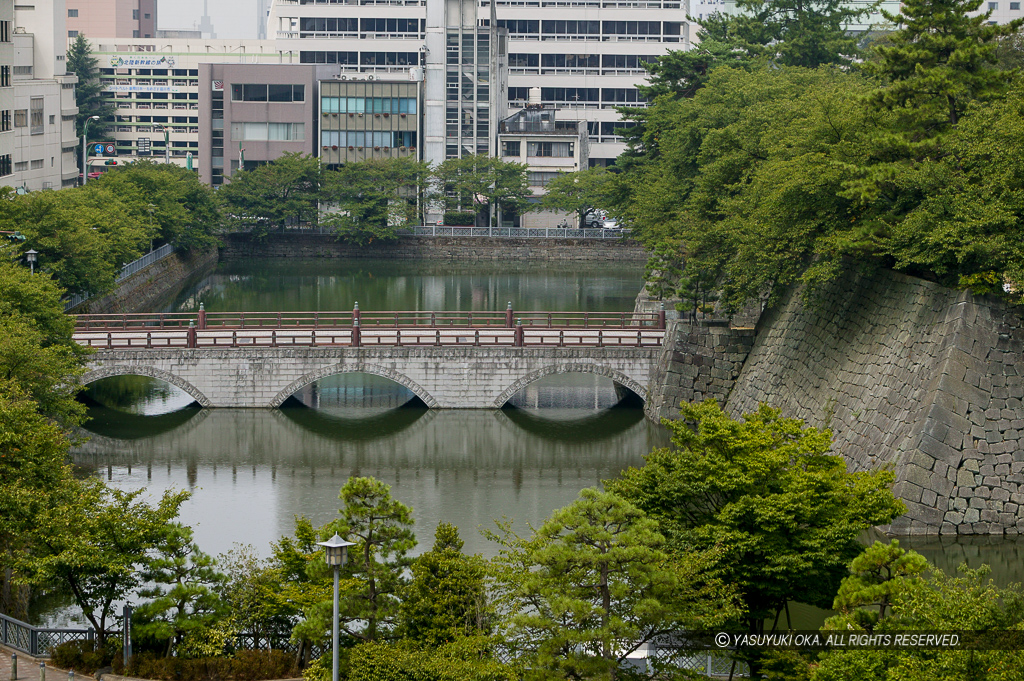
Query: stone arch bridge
[444, 377]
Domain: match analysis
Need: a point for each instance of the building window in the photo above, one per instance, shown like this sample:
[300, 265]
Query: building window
[20, 166]
[268, 132]
[5, 76]
[36, 115]
[72, 34]
[365, 138]
[992, 6]
[5, 162]
[549, 149]
[37, 164]
[135, 34]
[5, 121]
[343, 58]
[135, 15]
[510, 149]
[540, 179]
[388, 105]
[267, 93]
[21, 118]
[72, 13]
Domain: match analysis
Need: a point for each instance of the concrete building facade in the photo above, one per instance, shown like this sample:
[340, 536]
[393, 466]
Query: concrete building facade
[362, 118]
[6, 90]
[585, 55]
[255, 113]
[154, 86]
[111, 18]
[44, 108]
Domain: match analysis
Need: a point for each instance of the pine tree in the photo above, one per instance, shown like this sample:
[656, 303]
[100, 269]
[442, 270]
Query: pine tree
[447, 596]
[937, 63]
[89, 91]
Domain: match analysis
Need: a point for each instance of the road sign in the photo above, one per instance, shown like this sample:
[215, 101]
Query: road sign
[109, 149]
[142, 146]
[97, 149]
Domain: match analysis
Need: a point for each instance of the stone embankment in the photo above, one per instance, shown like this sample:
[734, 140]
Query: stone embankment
[906, 373]
[143, 290]
[240, 246]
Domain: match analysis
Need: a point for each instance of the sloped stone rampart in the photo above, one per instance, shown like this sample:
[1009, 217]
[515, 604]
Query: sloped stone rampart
[908, 374]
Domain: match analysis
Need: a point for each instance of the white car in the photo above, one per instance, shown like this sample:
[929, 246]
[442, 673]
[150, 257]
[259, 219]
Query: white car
[611, 224]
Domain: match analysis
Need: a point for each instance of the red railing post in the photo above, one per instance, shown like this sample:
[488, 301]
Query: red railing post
[476, 338]
[519, 334]
[355, 332]
[191, 337]
[355, 313]
[149, 340]
[437, 337]
[110, 341]
[600, 338]
[398, 337]
[273, 339]
[661, 317]
[202, 316]
[508, 315]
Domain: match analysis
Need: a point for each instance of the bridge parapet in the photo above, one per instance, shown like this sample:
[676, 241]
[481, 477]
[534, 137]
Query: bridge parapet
[462, 376]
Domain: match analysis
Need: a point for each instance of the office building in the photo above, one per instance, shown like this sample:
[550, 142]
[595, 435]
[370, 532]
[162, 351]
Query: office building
[6, 90]
[586, 56]
[548, 146]
[369, 117]
[44, 108]
[255, 113]
[111, 18]
[154, 86]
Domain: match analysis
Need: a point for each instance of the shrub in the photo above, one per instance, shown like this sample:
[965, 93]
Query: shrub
[246, 665]
[85, 657]
[456, 218]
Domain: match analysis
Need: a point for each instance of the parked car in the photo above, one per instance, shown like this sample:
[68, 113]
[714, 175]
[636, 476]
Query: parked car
[593, 221]
[611, 224]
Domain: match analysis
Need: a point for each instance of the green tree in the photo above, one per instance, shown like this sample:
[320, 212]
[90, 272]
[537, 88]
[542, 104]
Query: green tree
[275, 194]
[96, 543]
[381, 528]
[183, 592]
[807, 33]
[89, 90]
[481, 181]
[182, 210]
[254, 593]
[372, 198]
[465, 659]
[663, 270]
[83, 236]
[581, 193]
[877, 578]
[785, 512]
[969, 603]
[594, 583]
[446, 597]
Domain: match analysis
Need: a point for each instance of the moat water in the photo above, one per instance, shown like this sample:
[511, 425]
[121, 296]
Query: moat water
[252, 471]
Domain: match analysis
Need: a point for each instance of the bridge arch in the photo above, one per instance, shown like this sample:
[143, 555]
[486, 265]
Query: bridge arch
[374, 369]
[144, 370]
[617, 376]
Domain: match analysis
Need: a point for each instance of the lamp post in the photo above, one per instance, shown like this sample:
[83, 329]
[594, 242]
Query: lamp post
[30, 256]
[85, 148]
[336, 553]
[167, 141]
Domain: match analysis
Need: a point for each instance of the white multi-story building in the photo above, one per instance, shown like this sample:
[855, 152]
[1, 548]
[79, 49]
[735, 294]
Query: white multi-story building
[586, 56]
[44, 108]
[154, 86]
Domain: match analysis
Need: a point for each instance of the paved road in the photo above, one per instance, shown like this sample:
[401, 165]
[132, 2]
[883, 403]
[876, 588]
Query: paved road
[28, 668]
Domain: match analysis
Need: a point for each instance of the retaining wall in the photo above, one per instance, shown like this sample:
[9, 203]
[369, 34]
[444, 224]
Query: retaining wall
[237, 246]
[908, 374]
[142, 291]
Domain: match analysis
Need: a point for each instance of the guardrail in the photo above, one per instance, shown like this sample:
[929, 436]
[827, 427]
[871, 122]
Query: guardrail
[38, 641]
[468, 231]
[368, 320]
[126, 271]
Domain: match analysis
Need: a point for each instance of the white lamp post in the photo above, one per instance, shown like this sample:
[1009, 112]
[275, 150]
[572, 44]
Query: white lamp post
[31, 256]
[336, 553]
[167, 141]
[85, 148]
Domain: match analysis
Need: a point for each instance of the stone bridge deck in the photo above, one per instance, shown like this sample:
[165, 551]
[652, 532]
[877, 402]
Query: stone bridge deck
[458, 376]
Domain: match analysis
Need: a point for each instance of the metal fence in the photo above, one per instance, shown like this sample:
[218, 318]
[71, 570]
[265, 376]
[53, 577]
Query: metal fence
[126, 271]
[38, 641]
[519, 232]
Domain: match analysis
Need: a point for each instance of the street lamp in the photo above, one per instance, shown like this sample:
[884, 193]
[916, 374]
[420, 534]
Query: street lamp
[167, 141]
[336, 553]
[85, 148]
[30, 256]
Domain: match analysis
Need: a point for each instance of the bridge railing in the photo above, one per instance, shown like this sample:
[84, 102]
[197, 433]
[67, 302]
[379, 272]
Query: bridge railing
[367, 319]
[360, 336]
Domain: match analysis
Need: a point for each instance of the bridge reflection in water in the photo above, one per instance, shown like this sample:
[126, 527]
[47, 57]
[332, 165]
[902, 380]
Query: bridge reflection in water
[252, 470]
